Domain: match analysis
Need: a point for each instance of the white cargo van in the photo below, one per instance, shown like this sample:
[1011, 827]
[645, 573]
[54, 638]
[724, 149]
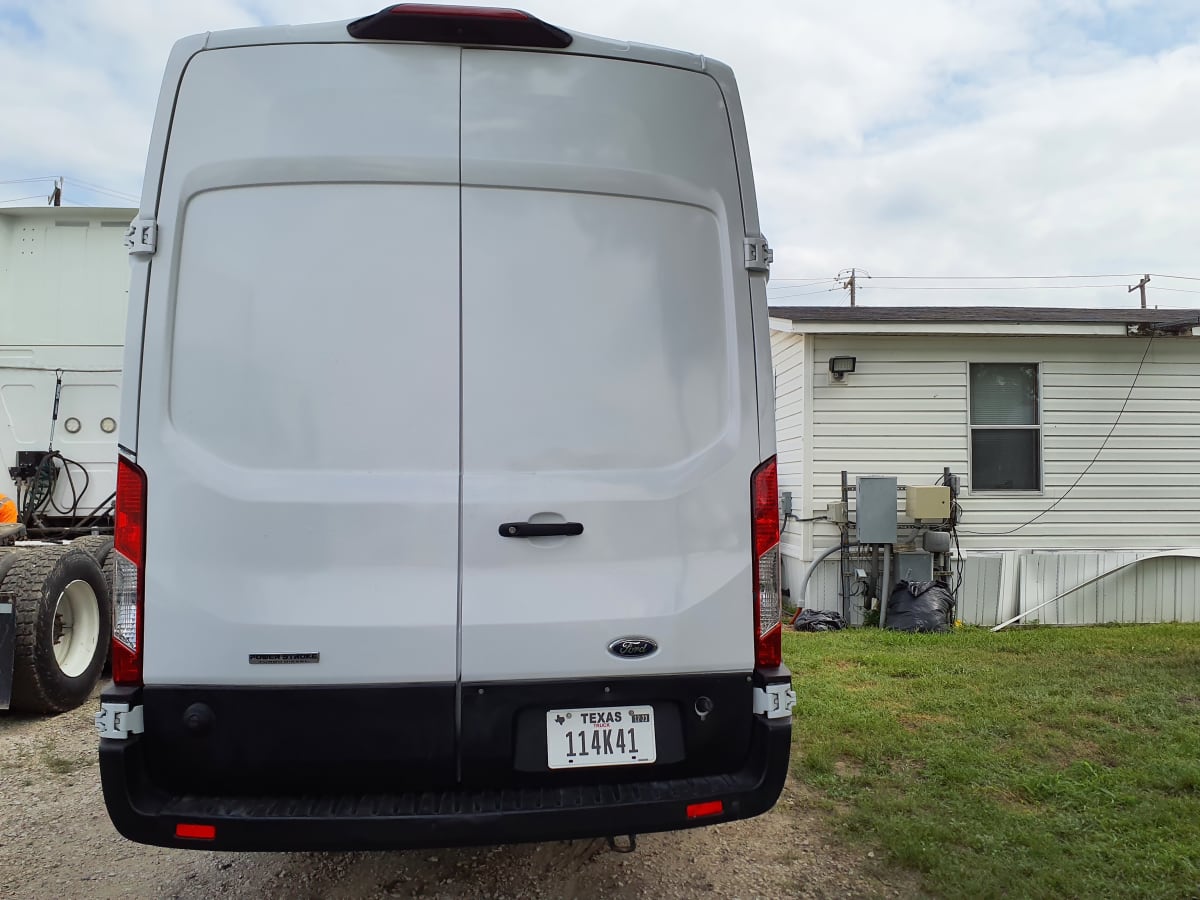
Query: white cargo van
[446, 500]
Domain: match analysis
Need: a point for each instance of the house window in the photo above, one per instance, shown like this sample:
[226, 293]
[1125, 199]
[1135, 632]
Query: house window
[1005, 427]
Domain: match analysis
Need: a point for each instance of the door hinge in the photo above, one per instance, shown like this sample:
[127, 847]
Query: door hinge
[775, 700]
[117, 720]
[141, 237]
[759, 255]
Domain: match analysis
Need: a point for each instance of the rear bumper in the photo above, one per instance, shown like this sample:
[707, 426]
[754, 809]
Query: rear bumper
[443, 818]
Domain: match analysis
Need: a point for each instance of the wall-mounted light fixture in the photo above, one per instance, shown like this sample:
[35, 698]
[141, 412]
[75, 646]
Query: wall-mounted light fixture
[840, 365]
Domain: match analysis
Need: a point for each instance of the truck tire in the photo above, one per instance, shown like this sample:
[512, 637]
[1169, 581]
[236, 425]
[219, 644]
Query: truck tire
[64, 626]
[109, 568]
[99, 545]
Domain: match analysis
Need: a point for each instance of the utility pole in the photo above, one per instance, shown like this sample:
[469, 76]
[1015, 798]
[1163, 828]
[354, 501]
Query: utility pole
[1141, 286]
[55, 197]
[850, 282]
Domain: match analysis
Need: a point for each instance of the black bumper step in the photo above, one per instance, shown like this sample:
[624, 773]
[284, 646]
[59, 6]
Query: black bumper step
[451, 803]
[444, 818]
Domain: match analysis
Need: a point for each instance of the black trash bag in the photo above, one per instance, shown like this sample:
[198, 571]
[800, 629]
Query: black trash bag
[819, 620]
[922, 606]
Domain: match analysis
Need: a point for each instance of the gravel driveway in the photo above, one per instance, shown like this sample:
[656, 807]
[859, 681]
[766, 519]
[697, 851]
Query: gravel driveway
[56, 842]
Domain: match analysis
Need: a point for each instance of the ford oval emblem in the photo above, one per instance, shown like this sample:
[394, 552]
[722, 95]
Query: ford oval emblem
[632, 647]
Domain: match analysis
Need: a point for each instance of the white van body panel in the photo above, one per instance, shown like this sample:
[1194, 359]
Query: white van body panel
[607, 370]
[302, 398]
[609, 357]
[140, 264]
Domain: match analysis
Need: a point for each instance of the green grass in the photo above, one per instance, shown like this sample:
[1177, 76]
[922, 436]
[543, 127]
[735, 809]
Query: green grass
[1032, 763]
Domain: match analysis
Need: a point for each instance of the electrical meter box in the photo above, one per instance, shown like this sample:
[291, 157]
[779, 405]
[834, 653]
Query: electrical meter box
[927, 502]
[875, 509]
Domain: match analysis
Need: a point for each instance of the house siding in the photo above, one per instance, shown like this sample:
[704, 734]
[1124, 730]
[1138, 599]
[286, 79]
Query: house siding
[904, 412]
[787, 360]
[1165, 589]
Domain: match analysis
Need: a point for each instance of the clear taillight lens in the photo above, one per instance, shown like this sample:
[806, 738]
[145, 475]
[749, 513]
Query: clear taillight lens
[768, 629]
[125, 594]
[129, 541]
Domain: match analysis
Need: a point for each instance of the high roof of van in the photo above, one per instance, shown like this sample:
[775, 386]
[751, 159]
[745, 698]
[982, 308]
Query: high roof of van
[581, 44]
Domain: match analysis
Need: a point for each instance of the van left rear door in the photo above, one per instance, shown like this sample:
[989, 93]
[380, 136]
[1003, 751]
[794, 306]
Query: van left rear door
[300, 419]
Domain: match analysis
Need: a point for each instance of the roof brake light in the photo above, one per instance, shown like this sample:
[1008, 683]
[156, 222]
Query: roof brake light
[475, 25]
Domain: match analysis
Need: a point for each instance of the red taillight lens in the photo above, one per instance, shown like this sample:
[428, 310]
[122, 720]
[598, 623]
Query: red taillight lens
[768, 630]
[129, 543]
[481, 25]
[130, 537]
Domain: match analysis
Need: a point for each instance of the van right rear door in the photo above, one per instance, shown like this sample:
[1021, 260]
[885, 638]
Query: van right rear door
[608, 373]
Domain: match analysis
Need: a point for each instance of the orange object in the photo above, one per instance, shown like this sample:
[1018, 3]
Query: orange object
[8, 510]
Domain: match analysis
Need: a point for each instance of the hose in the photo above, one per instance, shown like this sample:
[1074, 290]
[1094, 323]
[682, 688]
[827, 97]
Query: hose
[812, 567]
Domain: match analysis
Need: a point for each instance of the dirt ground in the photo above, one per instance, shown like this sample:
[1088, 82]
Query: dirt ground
[56, 842]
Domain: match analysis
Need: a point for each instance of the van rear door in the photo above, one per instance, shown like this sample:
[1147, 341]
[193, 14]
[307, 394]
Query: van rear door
[608, 373]
[303, 446]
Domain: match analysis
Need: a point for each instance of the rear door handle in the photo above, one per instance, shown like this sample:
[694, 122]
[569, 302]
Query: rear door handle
[540, 529]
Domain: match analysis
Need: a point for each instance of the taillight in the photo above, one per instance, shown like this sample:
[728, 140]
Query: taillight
[482, 25]
[129, 543]
[768, 630]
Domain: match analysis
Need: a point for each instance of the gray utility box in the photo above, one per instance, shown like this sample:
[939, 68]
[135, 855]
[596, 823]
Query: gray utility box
[913, 566]
[875, 509]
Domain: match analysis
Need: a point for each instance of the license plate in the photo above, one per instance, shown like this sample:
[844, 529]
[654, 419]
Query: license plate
[600, 736]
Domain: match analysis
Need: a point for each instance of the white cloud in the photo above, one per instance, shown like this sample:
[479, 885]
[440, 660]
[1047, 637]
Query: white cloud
[925, 137]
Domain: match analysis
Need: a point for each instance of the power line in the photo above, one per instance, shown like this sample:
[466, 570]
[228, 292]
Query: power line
[996, 277]
[981, 287]
[808, 287]
[1178, 290]
[99, 189]
[31, 197]
[103, 195]
[814, 278]
[975, 277]
[803, 293]
[86, 186]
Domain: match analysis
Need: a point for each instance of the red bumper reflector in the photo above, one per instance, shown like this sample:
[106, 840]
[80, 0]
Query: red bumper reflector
[196, 832]
[700, 810]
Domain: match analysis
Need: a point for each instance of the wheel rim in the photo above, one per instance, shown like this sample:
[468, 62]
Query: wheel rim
[76, 628]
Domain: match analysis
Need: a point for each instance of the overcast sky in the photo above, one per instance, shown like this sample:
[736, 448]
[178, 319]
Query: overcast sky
[922, 137]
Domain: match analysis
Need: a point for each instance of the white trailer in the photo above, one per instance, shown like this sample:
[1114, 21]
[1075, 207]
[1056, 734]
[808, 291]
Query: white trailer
[64, 288]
